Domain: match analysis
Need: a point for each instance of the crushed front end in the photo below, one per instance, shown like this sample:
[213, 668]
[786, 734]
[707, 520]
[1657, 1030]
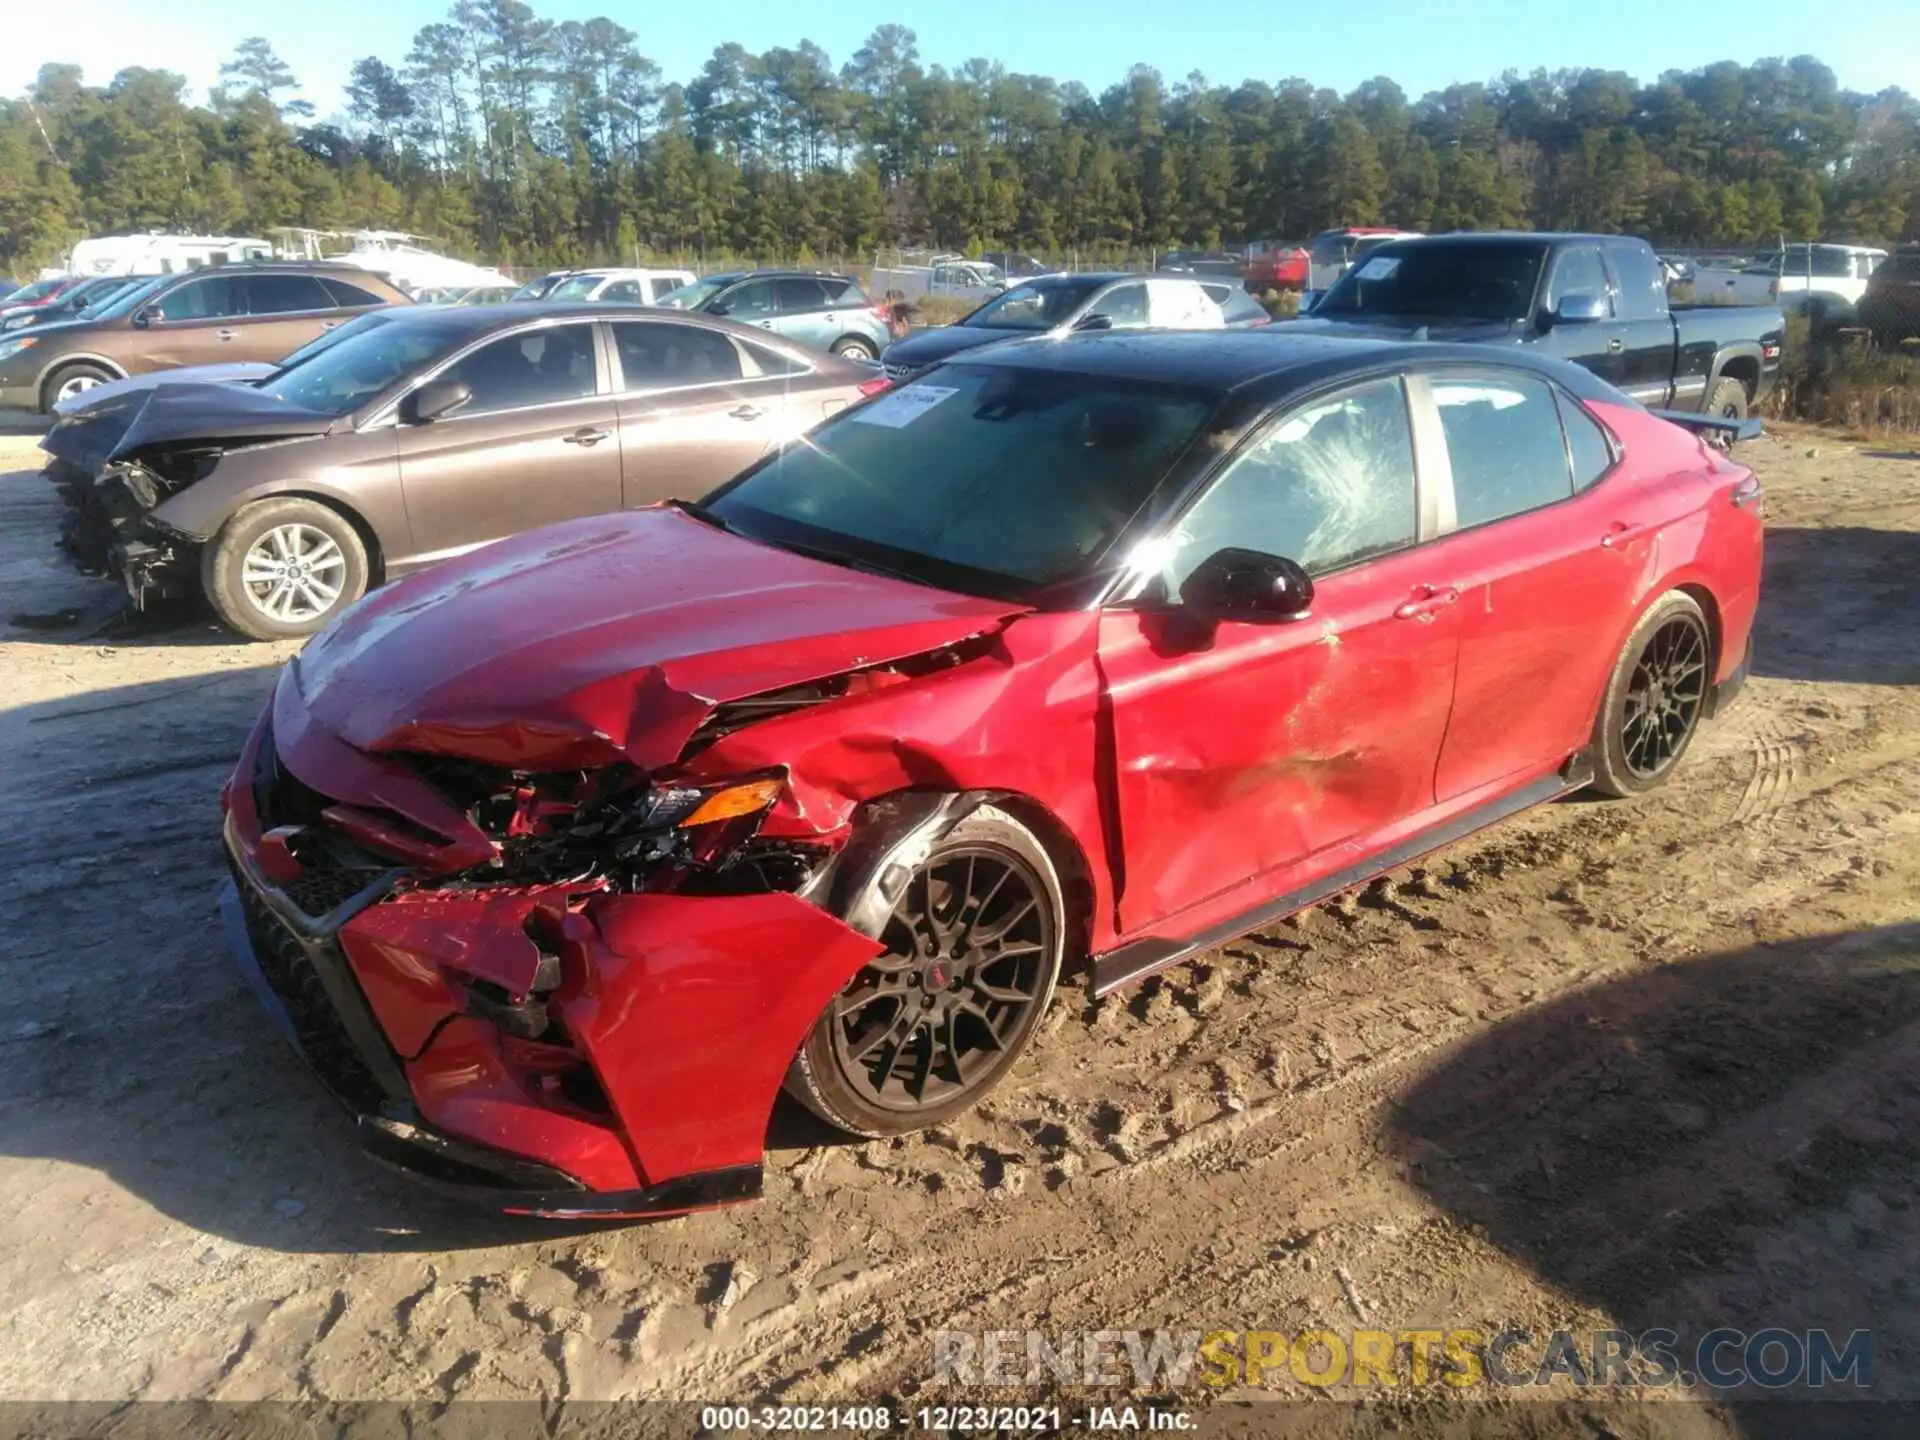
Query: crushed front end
[570, 994]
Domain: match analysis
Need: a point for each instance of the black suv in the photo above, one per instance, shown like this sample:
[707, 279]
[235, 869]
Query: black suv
[810, 307]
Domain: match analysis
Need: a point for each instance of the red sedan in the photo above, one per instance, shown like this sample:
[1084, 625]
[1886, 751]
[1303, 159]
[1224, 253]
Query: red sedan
[558, 860]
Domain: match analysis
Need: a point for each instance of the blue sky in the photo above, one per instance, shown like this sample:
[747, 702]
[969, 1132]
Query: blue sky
[1423, 44]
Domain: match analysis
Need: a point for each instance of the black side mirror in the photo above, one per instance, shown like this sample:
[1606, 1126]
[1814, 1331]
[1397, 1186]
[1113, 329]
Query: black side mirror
[148, 315]
[1095, 321]
[435, 400]
[719, 307]
[1248, 585]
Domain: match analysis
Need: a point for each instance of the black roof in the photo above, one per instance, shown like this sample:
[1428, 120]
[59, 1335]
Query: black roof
[1269, 358]
[1510, 237]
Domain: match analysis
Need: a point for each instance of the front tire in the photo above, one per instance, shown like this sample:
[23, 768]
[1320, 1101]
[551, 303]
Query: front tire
[72, 380]
[1654, 699]
[283, 568]
[974, 949]
[853, 348]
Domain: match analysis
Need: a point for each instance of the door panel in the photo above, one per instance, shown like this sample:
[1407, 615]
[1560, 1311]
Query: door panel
[689, 416]
[1273, 742]
[536, 444]
[682, 446]
[470, 479]
[1646, 326]
[801, 313]
[1247, 748]
[1599, 345]
[198, 324]
[1541, 576]
[750, 303]
[271, 338]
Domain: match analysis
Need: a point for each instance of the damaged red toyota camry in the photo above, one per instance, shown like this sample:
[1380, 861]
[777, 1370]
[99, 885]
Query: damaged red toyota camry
[558, 860]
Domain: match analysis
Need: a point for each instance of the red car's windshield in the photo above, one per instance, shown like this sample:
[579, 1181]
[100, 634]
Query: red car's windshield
[1002, 482]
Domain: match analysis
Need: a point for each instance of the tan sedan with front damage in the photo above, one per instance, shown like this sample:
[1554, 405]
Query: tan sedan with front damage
[419, 433]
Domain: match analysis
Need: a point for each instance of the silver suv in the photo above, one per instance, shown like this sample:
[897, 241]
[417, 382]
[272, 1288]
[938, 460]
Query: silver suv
[810, 307]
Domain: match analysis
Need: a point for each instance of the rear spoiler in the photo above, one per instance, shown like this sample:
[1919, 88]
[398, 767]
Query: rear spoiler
[1713, 426]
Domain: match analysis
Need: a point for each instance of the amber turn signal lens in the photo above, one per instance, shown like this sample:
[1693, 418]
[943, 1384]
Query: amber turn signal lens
[735, 801]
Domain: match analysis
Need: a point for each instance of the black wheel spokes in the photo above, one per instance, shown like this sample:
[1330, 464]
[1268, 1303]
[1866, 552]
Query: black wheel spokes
[967, 947]
[1664, 696]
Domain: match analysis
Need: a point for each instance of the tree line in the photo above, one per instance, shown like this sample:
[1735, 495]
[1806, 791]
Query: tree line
[532, 142]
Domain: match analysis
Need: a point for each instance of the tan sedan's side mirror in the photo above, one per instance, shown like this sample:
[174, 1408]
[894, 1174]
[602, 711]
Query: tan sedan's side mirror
[435, 401]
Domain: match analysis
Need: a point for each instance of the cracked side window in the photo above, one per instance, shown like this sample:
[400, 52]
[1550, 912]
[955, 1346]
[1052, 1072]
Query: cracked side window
[1327, 486]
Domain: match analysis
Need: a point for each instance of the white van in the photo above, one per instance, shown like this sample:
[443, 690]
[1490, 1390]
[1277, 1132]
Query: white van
[635, 287]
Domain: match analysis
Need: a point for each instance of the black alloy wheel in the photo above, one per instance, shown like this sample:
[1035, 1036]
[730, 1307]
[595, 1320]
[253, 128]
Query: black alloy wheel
[973, 948]
[969, 948]
[1664, 696]
[1655, 697]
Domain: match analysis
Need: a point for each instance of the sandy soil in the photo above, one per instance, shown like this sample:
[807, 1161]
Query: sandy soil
[1612, 1064]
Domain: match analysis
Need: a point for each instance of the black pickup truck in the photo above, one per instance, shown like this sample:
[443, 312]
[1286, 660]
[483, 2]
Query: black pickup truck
[1598, 300]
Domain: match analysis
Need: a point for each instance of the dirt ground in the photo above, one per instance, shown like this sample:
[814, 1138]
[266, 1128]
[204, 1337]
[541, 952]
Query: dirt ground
[1654, 1063]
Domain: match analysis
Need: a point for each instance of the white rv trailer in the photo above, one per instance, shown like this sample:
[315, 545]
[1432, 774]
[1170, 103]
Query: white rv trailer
[156, 253]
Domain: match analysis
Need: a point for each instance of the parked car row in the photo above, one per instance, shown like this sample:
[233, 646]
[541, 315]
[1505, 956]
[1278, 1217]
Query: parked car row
[282, 491]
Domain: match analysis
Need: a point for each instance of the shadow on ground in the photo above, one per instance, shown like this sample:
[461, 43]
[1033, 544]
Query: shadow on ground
[1840, 604]
[1725, 1141]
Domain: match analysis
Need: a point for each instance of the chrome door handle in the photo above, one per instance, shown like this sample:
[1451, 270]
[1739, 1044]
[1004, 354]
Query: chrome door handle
[766, 324]
[1428, 601]
[1615, 346]
[746, 412]
[223, 334]
[332, 324]
[588, 436]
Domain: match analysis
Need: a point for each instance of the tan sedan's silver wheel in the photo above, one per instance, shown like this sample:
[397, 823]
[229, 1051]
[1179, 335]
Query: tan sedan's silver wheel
[293, 574]
[284, 567]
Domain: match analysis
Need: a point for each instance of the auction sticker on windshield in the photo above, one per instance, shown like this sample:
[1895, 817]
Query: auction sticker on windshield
[902, 407]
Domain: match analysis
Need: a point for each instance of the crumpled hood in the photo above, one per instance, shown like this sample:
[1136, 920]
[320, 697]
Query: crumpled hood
[121, 427]
[929, 347]
[1409, 327]
[606, 638]
[230, 373]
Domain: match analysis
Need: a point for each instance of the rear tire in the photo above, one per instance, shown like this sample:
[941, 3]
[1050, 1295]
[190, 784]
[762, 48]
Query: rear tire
[71, 380]
[974, 949]
[1728, 399]
[283, 568]
[854, 348]
[1654, 698]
